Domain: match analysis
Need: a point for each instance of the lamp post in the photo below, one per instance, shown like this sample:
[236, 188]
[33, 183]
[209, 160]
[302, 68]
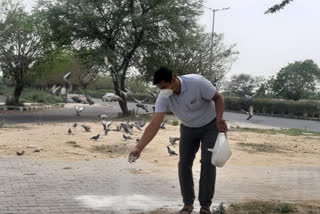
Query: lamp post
[212, 34]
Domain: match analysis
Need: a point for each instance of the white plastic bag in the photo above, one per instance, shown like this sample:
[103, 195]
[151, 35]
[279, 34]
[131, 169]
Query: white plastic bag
[221, 151]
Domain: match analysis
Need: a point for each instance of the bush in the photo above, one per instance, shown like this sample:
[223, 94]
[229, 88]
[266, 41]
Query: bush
[275, 106]
[175, 122]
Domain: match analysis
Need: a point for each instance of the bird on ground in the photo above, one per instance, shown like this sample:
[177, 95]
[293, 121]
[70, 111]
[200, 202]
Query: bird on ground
[74, 125]
[20, 153]
[173, 140]
[126, 137]
[86, 128]
[126, 128]
[69, 132]
[95, 137]
[142, 123]
[106, 124]
[137, 126]
[78, 110]
[162, 125]
[171, 152]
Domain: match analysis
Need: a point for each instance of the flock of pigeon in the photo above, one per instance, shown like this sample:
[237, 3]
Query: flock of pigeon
[127, 128]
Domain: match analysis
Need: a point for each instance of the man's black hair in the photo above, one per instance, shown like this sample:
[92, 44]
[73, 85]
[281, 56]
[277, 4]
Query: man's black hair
[162, 74]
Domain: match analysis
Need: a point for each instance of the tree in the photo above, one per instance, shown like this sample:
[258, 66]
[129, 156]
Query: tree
[243, 84]
[120, 29]
[21, 45]
[275, 8]
[191, 55]
[296, 80]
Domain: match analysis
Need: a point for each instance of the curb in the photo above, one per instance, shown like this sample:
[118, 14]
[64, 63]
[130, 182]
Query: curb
[28, 108]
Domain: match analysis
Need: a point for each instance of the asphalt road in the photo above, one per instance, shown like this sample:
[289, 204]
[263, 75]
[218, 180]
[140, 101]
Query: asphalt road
[112, 110]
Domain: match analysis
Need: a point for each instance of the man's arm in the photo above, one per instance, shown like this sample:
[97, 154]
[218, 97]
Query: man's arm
[148, 134]
[219, 105]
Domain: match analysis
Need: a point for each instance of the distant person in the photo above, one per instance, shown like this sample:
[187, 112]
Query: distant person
[195, 101]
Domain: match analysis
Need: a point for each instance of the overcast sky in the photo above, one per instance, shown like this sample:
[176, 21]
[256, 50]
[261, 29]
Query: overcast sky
[266, 42]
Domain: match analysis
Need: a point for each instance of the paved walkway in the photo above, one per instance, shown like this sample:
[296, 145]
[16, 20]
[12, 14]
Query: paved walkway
[114, 186]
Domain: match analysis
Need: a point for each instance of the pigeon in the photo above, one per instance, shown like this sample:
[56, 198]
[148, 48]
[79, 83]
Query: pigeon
[106, 125]
[154, 108]
[162, 125]
[86, 128]
[77, 99]
[65, 77]
[89, 100]
[171, 152]
[78, 110]
[125, 94]
[142, 123]
[69, 132]
[55, 89]
[106, 132]
[102, 116]
[74, 125]
[126, 137]
[137, 126]
[250, 112]
[144, 107]
[173, 140]
[126, 128]
[152, 94]
[20, 153]
[95, 137]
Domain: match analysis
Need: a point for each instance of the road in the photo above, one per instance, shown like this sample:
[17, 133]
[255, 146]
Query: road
[67, 114]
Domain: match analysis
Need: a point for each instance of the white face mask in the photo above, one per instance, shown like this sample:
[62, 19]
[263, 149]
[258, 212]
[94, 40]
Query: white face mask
[166, 92]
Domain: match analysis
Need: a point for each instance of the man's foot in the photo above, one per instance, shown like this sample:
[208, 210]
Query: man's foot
[205, 210]
[187, 209]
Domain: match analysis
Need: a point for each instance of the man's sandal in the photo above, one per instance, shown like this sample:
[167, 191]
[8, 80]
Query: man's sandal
[205, 210]
[186, 210]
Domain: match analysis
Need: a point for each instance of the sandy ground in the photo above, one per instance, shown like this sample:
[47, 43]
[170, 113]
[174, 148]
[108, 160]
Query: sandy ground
[54, 142]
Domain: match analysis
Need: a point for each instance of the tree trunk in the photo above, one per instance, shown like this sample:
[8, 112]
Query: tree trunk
[17, 92]
[124, 107]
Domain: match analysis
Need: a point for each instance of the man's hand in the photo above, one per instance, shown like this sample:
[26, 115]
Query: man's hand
[221, 125]
[134, 155]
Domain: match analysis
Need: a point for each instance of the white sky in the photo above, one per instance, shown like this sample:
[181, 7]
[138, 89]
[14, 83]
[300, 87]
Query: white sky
[266, 42]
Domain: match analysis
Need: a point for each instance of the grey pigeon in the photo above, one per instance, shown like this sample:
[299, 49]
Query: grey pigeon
[126, 137]
[126, 128]
[142, 123]
[74, 125]
[86, 128]
[89, 100]
[250, 112]
[69, 132]
[173, 140]
[137, 126]
[162, 125]
[65, 77]
[106, 132]
[95, 137]
[171, 152]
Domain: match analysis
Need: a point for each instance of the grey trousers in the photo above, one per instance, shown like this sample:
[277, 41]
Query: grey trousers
[190, 139]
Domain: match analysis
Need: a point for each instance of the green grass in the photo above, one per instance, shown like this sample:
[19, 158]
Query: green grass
[266, 147]
[175, 122]
[290, 132]
[261, 207]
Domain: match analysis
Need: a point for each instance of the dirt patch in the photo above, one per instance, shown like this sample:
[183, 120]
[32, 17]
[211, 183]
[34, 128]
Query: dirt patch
[54, 142]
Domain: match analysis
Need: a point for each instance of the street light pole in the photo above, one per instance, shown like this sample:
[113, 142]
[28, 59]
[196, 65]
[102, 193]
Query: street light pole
[212, 35]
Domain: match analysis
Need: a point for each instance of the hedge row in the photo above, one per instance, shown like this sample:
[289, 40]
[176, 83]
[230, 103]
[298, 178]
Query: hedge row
[276, 107]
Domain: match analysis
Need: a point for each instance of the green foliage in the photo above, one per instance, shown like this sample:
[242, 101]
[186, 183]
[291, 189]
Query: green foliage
[243, 84]
[175, 122]
[296, 80]
[276, 106]
[277, 7]
[263, 207]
